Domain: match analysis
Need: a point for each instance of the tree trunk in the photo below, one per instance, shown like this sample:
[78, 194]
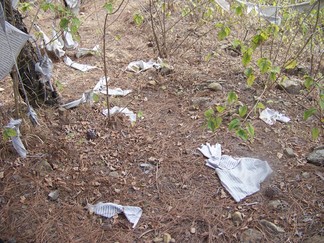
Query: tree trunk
[38, 93]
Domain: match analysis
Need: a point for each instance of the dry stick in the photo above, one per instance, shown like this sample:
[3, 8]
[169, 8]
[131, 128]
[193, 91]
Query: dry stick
[34, 19]
[153, 29]
[104, 57]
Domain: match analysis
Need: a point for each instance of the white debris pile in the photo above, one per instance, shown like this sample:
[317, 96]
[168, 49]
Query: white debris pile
[78, 66]
[109, 210]
[241, 177]
[140, 66]
[131, 115]
[101, 87]
[16, 141]
[270, 116]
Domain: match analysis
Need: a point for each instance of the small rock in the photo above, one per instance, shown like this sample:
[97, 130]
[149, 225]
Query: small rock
[165, 71]
[316, 157]
[157, 239]
[200, 101]
[114, 174]
[91, 134]
[251, 236]
[237, 218]
[289, 152]
[278, 204]
[193, 230]
[163, 87]
[215, 87]
[305, 175]
[43, 167]
[53, 195]
[292, 86]
[166, 238]
[152, 82]
[272, 191]
[272, 227]
[1, 175]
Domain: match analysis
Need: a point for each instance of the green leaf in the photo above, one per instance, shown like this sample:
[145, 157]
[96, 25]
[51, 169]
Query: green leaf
[220, 108]
[214, 123]
[138, 19]
[264, 64]
[140, 115]
[236, 43]
[308, 83]
[247, 56]
[309, 113]
[250, 130]
[64, 23]
[250, 76]
[9, 133]
[75, 24]
[242, 134]
[223, 33]
[257, 40]
[243, 110]
[315, 133]
[232, 97]
[234, 124]
[59, 85]
[273, 73]
[95, 97]
[260, 105]
[108, 7]
[321, 102]
[209, 113]
[291, 64]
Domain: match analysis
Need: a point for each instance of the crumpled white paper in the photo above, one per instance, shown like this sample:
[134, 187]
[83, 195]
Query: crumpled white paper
[78, 66]
[86, 97]
[68, 40]
[86, 51]
[270, 116]
[133, 214]
[140, 66]
[241, 177]
[101, 87]
[16, 141]
[123, 110]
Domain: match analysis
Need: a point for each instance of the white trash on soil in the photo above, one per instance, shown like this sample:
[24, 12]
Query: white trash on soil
[123, 110]
[140, 66]
[78, 66]
[16, 141]
[101, 87]
[241, 177]
[86, 51]
[86, 97]
[270, 116]
[133, 214]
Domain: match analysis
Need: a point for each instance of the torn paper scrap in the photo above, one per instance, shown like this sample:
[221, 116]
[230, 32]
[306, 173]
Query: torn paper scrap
[101, 87]
[78, 66]
[270, 116]
[123, 110]
[133, 214]
[86, 97]
[224, 5]
[73, 5]
[140, 66]
[86, 51]
[11, 50]
[241, 177]
[68, 40]
[16, 141]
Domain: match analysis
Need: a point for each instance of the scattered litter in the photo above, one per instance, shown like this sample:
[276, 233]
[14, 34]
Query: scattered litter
[133, 214]
[101, 87]
[86, 51]
[126, 111]
[68, 40]
[32, 115]
[241, 177]
[140, 66]
[86, 97]
[146, 167]
[12, 41]
[78, 66]
[54, 195]
[16, 141]
[224, 5]
[73, 5]
[270, 116]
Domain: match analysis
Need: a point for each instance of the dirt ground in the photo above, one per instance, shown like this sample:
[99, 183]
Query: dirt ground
[180, 196]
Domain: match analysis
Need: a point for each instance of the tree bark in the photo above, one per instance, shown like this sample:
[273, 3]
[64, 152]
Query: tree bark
[38, 93]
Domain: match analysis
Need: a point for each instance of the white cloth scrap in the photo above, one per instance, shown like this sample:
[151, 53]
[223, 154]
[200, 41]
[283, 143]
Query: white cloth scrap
[133, 214]
[100, 87]
[241, 177]
[270, 116]
[68, 40]
[11, 50]
[86, 51]
[140, 66]
[78, 66]
[16, 141]
[86, 97]
[123, 110]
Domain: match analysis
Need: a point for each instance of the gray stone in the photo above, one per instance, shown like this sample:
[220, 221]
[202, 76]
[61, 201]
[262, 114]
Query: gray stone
[271, 227]
[200, 101]
[305, 175]
[316, 157]
[292, 86]
[114, 174]
[215, 87]
[237, 218]
[251, 236]
[54, 195]
[278, 204]
[289, 152]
